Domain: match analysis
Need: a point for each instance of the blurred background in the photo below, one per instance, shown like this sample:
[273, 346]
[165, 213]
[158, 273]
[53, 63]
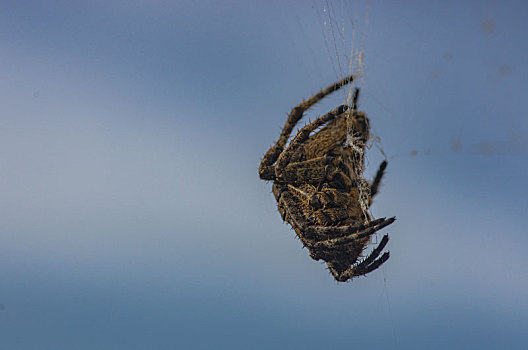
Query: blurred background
[132, 215]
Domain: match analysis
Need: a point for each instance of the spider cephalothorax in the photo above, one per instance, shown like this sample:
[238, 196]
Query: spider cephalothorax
[319, 188]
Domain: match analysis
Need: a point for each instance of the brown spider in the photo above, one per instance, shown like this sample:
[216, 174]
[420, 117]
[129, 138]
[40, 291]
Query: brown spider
[318, 185]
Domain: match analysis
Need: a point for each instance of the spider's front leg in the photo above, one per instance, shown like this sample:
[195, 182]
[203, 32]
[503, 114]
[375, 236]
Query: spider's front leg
[302, 136]
[266, 168]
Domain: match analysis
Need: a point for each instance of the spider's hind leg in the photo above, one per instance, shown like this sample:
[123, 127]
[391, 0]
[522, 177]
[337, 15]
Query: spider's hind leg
[371, 263]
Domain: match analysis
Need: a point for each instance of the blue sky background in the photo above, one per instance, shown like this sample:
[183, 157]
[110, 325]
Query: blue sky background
[132, 216]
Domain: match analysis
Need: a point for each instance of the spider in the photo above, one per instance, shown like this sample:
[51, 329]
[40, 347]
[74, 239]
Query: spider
[318, 185]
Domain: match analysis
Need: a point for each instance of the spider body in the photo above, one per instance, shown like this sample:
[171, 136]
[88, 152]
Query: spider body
[319, 188]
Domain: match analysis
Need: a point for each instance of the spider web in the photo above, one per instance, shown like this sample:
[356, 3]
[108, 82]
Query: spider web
[344, 36]
[343, 28]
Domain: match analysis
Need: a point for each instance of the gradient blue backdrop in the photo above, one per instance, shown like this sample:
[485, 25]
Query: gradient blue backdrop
[132, 216]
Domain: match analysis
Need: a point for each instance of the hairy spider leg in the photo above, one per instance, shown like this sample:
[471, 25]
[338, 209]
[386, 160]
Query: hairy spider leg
[366, 266]
[304, 134]
[336, 252]
[350, 238]
[375, 253]
[313, 170]
[377, 180]
[355, 99]
[266, 168]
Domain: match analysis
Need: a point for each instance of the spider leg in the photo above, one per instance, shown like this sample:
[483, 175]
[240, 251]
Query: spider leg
[375, 253]
[354, 272]
[266, 169]
[355, 99]
[366, 266]
[289, 208]
[344, 249]
[304, 134]
[351, 237]
[313, 171]
[327, 169]
[377, 180]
